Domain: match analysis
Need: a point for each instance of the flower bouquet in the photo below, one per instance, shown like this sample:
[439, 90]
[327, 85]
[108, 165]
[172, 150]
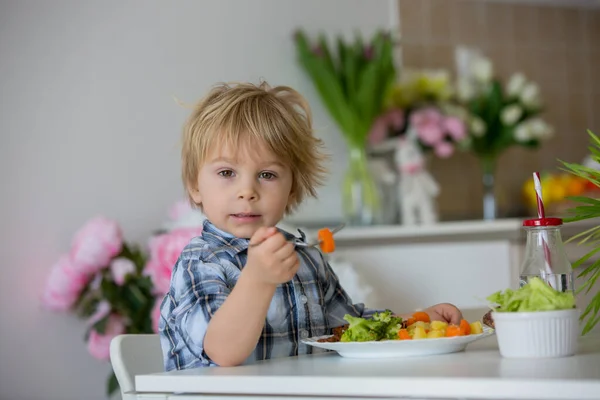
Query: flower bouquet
[419, 104]
[497, 116]
[353, 83]
[115, 285]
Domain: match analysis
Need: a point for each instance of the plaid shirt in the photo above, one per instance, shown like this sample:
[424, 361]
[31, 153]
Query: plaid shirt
[209, 266]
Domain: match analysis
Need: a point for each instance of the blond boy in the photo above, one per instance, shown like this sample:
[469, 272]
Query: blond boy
[243, 291]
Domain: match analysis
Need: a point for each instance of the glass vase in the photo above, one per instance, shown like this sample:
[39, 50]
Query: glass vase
[361, 197]
[488, 165]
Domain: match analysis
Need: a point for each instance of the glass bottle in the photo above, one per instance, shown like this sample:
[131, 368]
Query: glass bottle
[545, 255]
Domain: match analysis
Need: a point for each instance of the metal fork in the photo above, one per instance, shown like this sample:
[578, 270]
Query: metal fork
[312, 243]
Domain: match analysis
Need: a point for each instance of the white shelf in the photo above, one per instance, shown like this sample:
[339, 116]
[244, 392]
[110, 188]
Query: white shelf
[477, 230]
[552, 3]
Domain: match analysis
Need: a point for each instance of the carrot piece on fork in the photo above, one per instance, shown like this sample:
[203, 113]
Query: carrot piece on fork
[326, 241]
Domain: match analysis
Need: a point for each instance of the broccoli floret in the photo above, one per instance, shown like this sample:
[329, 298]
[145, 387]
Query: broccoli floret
[385, 316]
[362, 330]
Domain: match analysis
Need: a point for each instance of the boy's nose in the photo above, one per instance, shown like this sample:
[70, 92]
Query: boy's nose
[248, 194]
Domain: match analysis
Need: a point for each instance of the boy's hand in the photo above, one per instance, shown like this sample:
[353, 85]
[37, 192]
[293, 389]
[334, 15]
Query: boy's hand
[272, 259]
[444, 312]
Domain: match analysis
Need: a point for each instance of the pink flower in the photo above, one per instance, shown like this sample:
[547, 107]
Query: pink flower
[164, 252]
[155, 314]
[444, 149]
[96, 244]
[455, 127]
[428, 124]
[102, 310]
[63, 286]
[430, 132]
[120, 268]
[378, 131]
[425, 115]
[98, 345]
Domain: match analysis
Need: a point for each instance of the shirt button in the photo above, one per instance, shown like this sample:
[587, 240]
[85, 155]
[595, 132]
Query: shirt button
[303, 299]
[303, 334]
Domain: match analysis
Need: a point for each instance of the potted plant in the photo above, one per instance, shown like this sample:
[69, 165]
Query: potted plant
[588, 208]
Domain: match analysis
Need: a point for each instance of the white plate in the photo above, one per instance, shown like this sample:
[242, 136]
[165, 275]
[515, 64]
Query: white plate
[399, 348]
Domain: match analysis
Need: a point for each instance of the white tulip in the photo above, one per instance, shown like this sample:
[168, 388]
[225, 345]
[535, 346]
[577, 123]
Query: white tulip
[482, 70]
[465, 90]
[477, 126]
[515, 85]
[540, 129]
[511, 114]
[530, 96]
[523, 132]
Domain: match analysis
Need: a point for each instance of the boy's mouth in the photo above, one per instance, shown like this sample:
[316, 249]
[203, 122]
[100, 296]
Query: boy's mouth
[246, 216]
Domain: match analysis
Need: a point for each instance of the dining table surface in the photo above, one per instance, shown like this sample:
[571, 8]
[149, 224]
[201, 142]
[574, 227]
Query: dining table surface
[479, 372]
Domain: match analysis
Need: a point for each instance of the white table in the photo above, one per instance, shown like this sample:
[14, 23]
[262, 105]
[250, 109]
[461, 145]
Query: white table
[477, 373]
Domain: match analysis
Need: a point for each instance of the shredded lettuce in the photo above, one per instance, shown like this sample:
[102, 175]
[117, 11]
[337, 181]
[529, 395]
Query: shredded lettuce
[536, 295]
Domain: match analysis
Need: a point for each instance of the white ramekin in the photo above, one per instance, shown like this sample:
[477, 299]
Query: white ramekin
[540, 334]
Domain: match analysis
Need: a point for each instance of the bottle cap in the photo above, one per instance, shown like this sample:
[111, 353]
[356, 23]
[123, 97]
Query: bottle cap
[543, 222]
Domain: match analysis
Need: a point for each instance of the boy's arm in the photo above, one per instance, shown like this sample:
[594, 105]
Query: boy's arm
[235, 328]
[205, 322]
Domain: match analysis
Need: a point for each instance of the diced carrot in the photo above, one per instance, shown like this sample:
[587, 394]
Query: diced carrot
[404, 335]
[410, 321]
[326, 241]
[421, 316]
[465, 327]
[453, 330]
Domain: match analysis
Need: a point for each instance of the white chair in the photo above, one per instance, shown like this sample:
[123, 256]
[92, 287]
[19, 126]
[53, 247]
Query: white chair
[132, 355]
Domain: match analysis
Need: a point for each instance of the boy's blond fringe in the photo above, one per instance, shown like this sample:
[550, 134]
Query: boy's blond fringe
[243, 115]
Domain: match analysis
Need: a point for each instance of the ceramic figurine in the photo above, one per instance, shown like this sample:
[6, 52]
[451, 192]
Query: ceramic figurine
[417, 189]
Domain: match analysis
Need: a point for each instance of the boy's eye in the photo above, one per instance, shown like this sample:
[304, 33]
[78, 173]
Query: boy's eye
[226, 173]
[266, 175]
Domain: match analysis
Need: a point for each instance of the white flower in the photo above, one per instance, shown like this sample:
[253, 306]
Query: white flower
[120, 268]
[515, 85]
[540, 129]
[530, 96]
[511, 114]
[482, 70]
[523, 132]
[465, 90]
[477, 126]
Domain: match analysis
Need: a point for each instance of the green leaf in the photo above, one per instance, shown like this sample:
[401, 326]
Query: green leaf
[111, 384]
[100, 326]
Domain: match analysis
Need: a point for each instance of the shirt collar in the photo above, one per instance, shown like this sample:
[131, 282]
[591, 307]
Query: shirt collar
[216, 237]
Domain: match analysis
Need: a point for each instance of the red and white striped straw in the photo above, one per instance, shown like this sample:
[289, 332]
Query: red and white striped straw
[542, 214]
[538, 194]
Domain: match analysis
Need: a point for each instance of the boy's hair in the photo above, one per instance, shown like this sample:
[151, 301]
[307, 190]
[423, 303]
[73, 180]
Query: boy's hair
[245, 114]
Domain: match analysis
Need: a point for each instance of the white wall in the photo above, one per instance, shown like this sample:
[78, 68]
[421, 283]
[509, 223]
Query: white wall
[88, 125]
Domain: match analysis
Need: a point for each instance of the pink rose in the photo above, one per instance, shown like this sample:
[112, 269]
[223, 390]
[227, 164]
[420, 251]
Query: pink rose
[164, 252]
[425, 115]
[430, 132]
[443, 149]
[120, 268]
[63, 286]
[96, 244]
[155, 314]
[99, 344]
[455, 127]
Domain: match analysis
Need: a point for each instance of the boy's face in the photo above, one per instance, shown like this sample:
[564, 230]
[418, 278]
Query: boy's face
[244, 189]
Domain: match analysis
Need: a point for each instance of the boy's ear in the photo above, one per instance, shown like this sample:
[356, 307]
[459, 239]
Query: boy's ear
[195, 194]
